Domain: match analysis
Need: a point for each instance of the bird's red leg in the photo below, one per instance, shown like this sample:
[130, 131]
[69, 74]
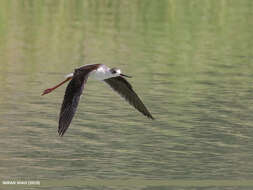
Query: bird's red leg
[53, 88]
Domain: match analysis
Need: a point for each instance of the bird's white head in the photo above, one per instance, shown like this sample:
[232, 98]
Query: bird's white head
[114, 72]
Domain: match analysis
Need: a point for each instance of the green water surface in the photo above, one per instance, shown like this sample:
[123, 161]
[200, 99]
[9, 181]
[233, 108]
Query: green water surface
[192, 65]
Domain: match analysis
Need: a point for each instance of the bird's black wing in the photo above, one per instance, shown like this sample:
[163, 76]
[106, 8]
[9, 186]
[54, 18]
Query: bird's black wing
[71, 99]
[120, 85]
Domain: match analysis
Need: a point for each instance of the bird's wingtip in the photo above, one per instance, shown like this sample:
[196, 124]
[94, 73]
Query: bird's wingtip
[60, 134]
[151, 117]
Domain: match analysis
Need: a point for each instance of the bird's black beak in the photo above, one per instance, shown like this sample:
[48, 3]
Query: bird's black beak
[125, 75]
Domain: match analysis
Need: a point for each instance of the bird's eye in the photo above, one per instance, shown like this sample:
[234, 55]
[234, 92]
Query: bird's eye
[113, 71]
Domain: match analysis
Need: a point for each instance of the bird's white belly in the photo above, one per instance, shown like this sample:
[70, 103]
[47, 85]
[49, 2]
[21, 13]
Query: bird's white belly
[99, 74]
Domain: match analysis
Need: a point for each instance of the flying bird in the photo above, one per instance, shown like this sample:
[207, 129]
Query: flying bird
[112, 76]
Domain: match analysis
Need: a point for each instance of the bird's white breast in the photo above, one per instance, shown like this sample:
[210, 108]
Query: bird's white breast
[101, 73]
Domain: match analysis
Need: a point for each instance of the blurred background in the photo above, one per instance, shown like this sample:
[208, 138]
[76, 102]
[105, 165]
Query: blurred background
[191, 63]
